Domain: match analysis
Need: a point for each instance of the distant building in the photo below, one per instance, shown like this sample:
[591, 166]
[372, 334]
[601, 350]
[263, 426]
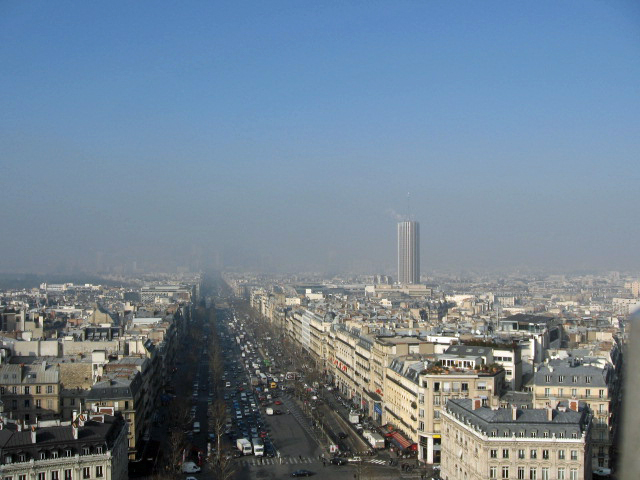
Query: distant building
[481, 443]
[408, 252]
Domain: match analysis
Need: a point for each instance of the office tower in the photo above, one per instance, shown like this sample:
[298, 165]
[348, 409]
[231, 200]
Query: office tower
[408, 252]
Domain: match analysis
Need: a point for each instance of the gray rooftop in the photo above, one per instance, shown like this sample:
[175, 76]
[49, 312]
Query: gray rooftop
[529, 422]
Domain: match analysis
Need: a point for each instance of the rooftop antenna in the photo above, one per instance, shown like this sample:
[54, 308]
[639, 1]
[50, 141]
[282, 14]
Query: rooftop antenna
[408, 206]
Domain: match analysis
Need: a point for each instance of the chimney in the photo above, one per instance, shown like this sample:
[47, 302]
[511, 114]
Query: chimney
[514, 412]
[549, 413]
[33, 434]
[573, 404]
[476, 403]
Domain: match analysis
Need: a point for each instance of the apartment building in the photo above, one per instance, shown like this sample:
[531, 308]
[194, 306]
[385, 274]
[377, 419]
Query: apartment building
[596, 386]
[417, 389]
[30, 391]
[94, 448]
[482, 443]
[123, 392]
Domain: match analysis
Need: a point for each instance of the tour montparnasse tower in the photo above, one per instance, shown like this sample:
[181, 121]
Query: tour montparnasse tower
[408, 252]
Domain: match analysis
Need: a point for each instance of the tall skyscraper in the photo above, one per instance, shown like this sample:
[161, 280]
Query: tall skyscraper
[408, 252]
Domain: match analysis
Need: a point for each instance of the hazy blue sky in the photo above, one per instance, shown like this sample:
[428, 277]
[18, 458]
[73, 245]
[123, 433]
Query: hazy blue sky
[288, 134]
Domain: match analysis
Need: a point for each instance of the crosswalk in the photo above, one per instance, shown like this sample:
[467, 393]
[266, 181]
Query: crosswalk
[377, 461]
[275, 461]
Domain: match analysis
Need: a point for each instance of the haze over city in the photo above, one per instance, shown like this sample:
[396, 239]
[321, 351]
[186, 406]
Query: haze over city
[287, 135]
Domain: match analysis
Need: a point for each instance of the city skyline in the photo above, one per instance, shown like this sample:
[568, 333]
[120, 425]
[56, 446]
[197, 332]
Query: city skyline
[285, 137]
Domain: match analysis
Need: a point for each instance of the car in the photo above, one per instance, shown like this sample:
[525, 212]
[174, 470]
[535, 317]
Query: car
[191, 478]
[277, 402]
[302, 473]
[342, 435]
[338, 461]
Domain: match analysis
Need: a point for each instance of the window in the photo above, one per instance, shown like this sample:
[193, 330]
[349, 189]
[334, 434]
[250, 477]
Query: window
[86, 472]
[547, 392]
[54, 475]
[436, 386]
[574, 455]
[8, 459]
[533, 454]
[420, 427]
[67, 475]
[27, 390]
[41, 476]
[547, 378]
[587, 392]
[588, 379]
[43, 455]
[520, 473]
[574, 379]
[99, 449]
[2, 390]
[49, 388]
[27, 403]
[560, 378]
[22, 457]
[561, 392]
[545, 454]
[14, 390]
[421, 412]
[38, 389]
[521, 454]
[601, 393]
[493, 453]
[54, 453]
[436, 400]
[436, 414]
[68, 452]
[99, 471]
[22, 477]
[573, 474]
[560, 454]
[14, 404]
[533, 473]
[505, 453]
[482, 385]
[8, 478]
[561, 473]
[505, 472]
[545, 473]
[86, 451]
[421, 398]
[73, 401]
[545, 434]
[493, 472]
[38, 403]
[574, 392]
[465, 387]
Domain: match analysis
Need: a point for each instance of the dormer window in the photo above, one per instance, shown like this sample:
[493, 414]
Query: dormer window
[86, 451]
[43, 455]
[54, 453]
[560, 378]
[68, 452]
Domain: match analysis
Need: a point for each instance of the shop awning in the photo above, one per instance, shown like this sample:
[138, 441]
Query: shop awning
[401, 441]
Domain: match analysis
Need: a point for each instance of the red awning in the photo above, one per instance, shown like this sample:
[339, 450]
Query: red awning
[404, 443]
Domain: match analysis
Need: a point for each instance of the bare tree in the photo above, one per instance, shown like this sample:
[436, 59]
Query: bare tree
[218, 413]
